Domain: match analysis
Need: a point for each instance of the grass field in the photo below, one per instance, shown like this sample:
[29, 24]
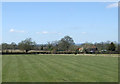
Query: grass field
[59, 68]
[0, 68]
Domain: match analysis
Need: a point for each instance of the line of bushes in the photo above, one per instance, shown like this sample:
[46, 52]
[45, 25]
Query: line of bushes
[61, 52]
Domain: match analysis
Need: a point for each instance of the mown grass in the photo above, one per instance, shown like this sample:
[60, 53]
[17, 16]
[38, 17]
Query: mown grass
[59, 68]
[0, 68]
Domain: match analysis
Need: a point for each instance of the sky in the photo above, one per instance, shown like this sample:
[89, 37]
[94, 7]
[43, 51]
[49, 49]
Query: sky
[50, 21]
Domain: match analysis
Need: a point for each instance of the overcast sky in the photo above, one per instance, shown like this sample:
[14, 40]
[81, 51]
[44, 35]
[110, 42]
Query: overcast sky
[50, 21]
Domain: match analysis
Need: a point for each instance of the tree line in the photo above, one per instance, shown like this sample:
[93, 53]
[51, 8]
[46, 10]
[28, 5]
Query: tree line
[65, 44]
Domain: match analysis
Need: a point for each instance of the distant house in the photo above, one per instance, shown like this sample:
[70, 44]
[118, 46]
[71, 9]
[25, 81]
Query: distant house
[91, 49]
[88, 49]
[80, 49]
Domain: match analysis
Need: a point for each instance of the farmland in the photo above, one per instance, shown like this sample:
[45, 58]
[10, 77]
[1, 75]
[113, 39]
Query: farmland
[59, 68]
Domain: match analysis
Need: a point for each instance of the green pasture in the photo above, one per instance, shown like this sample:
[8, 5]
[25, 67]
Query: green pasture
[59, 68]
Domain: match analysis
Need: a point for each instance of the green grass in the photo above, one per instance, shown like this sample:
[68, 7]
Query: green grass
[0, 68]
[59, 68]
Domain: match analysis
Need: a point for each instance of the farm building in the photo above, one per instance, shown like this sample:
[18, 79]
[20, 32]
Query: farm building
[92, 49]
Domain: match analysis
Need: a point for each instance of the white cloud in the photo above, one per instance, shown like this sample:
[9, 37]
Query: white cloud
[113, 5]
[12, 30]
[18, 31]
[56, 33]
[43, 32]
[37, 32]
[84, 32]
[46, 32]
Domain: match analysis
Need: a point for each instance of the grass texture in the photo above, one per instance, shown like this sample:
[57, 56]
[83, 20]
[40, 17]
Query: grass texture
[59, 68]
